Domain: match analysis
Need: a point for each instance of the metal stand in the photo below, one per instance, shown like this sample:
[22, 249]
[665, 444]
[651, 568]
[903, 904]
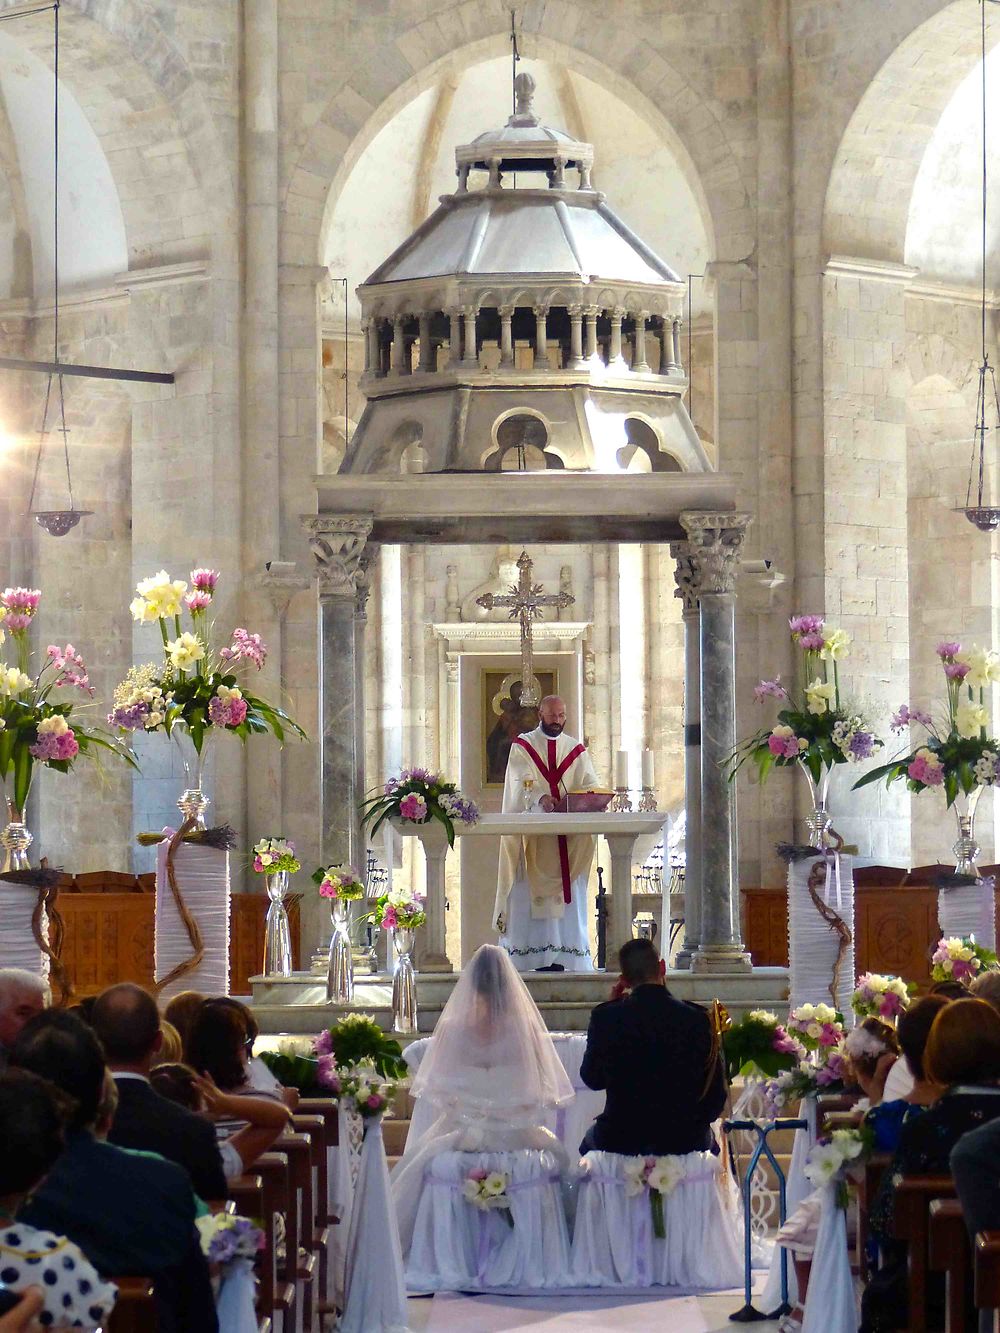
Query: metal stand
[749, 1314]
[602, 921]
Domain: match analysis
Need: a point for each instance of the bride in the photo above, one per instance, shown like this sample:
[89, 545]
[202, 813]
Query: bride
[490, 1077]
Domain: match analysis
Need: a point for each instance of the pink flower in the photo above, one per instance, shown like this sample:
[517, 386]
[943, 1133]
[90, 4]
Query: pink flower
[785, 1044]
[198, 601]
[811, 643]
[70, 667]
[374, 1101]
[326, 1073]
[204, 580]
[323, 1044]
[956, 670]
[17, 621]
[245, 646]
[389, 918]
[784, 746]
[948, 649]
[227, 712]
[830, 1036]
[769, 689]
[890, 1006]
[478, 1173]
[21, 599]
[931, 775]
[413, 807]
[805, 624]
[258, 865]
[51, 745]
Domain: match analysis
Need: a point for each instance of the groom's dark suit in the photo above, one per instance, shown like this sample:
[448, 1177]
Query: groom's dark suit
[652, 1055]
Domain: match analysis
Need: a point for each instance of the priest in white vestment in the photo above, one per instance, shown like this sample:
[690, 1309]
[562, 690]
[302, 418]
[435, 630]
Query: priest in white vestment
[541, 907]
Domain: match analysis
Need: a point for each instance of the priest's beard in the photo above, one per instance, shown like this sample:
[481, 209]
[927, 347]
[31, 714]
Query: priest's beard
[553, 728]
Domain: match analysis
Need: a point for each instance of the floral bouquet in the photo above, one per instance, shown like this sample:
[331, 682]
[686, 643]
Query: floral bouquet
[363, 1085]
[417, 796]
[358, 1039]
[659, 1176]
[835, 1159]
[293, 1069]
[814, 726]
[487, 1191]
[960, 960]
[225, 1237]
[816, 1026]
[805, 1080]
[959, 754]
[272, 855]
[37, 726]
[338, 882]
[399, 909]
[759, 1047]
[194, 689]
[878, 996]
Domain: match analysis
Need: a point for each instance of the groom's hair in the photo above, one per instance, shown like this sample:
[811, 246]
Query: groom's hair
[639, 962]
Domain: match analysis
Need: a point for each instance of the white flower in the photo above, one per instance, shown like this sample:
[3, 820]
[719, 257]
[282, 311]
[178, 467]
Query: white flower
[55, 725]
[163, 595]
[185, 651]
[819, 696]
[762, 1016]
[970, 719]
[825, 1161]
[495, 1184]
[983, 664]
[836, 645]
[666, 1175]
[985, 769]
[814, 1030]
[848, 1144]
[824, 1013]
[471, 1191]
[225, 693]
[635, 1176]
[13, 681]
[142, 611]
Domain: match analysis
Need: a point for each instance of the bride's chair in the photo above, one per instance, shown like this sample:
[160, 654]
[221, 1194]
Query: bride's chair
[614, 1244]
[458, 1246]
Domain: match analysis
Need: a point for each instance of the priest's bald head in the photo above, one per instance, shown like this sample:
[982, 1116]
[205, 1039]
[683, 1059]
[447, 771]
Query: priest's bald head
[552, 715]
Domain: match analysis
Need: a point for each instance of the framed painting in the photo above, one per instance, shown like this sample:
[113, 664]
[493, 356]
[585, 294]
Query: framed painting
[503, 717]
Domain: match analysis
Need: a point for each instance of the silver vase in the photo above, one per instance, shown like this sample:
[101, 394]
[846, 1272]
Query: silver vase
[192, 801]
[15, 840]
[340, 969]
[404, 983]
[966, 848]
[277, 933]
[819, 820]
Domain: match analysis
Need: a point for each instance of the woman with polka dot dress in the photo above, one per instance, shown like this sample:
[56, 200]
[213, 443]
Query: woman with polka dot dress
[32, 1115]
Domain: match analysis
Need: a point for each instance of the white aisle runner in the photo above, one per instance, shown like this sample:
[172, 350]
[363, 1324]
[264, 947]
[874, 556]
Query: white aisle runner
[451, 1312]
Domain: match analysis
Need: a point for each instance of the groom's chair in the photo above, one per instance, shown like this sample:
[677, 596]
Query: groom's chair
[614, 1242]
[458, 1246]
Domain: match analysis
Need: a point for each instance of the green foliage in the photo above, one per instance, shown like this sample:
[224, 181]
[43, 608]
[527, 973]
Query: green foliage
[295, 1071]
[357, 1039]
[749, 1045]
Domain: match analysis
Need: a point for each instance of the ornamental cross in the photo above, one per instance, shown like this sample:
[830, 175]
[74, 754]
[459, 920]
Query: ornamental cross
[525, 601]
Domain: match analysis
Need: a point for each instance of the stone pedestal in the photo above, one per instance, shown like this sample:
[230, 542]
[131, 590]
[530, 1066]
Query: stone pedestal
[433, 951]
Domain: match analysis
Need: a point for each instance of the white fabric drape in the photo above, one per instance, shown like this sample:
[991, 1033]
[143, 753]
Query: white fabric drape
[374, 1290]
[614, 1244]
[969, 909]
[812, 945]
[17, 943]
[830, 1305]
[203, 876]
[234, 1305]
[458, 1247]
[797, 1188]
[343, 1163]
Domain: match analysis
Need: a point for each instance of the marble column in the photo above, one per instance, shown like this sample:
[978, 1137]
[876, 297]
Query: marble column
[591, 317]
[714, 543]
[426, 363]
[640, 363]
[471, 357]
[400, 350]
[676, 363]
[615, 358]
[455, 337]
[692, 754]
[576, 359]
[506, 338]
[343, 560]
[541, 338]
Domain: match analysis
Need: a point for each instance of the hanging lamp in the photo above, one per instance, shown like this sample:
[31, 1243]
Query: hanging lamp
[56, 522]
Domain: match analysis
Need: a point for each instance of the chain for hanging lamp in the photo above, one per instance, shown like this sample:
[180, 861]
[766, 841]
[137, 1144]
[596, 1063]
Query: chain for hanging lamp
[981, 515]
[56, 522]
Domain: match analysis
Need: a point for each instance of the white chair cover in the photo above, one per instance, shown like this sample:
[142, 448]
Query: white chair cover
[203, 876]
[374, 1291]
[458, 1247]
[614, 1245]
[812, 945]
[797, 1188]
[234, 1303]
[830, 1304]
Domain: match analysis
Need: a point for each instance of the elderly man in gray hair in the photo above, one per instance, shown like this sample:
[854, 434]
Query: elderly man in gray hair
[23, 994]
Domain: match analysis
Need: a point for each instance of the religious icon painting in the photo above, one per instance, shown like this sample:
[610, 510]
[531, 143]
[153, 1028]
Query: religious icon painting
[503, 717]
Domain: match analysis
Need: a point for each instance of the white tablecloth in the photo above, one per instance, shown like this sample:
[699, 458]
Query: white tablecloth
[569, 1123]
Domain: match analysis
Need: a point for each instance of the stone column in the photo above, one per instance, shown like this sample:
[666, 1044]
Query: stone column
[576, 361]
[506, 338]
[338, 543]
[683, 574]
[541, 337]
[455, 337]
[714, 543]
[615, 357]
[400, 356]
[591, 314]
[640, 363]
[471, 357]
[426, 345]
[676, 366]
[366, 333]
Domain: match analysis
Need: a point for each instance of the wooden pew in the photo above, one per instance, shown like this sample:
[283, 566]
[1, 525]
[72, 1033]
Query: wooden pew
[912, 1224]
[276, 1294]
[875, 1168]
[950, 1253]
[300, 1261]
[314, 1225]
[987, 1273]
[134, 1310]
[325, 1108]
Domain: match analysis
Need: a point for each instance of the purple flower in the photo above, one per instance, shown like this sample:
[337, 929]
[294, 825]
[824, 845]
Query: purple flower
[245, 646]
[323, 1044]
[419, 775]
[904, 715]
[772, 689]
[862, 745]
[805, 624]
[811, 643]
[948, 649]
[204, 580]
[956, 670]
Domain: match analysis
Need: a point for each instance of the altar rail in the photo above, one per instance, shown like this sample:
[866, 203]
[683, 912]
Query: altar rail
[109, 931]
[896, 924]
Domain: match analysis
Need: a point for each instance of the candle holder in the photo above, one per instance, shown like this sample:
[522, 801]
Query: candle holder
[621, 802]
[647, 802]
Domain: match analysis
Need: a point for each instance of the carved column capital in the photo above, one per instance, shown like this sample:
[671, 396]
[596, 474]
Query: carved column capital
[714, 543]
[280, 581]
[363, 581]
[684, 576]
[337, 543]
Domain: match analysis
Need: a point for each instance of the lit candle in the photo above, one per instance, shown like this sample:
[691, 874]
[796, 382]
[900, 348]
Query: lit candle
[647, 768]
[621, 768]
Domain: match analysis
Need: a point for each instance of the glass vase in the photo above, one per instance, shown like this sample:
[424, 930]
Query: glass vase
[340, 968]
[277, 933]
[966, 848]
[819, 820]
[15, 839]
[404, 982]
[192, 801]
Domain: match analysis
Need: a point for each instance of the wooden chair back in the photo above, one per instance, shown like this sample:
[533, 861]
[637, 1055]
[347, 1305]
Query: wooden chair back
[949, 1252]
[912, 1224]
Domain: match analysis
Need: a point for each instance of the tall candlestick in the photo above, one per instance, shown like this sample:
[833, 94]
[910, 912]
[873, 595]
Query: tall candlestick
[647, 768]
[621, 768]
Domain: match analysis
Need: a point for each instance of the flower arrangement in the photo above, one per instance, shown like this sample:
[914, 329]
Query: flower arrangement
[758, 1046]
[338, 882]
[955, 959]
[958, 754]
[399, 909]
[814, 726]
[194, 690]
[358, 1039]
[487, 1191]
[272, 855]
[833, 1159]
[293, 1069]
[417, 796]
[805, 1080]
[816, 1026]
[878, 996]
[36, 725]
[225, 1237]
[363, 1085]
[659, 1176]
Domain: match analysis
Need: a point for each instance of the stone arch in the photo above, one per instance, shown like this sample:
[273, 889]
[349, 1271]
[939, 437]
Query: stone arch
[643, 449]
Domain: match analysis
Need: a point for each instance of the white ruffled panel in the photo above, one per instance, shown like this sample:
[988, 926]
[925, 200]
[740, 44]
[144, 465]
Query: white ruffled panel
[203, 876]
[17, 940]
[614, 1244]
[812, 945]
[374, 1293]
[458, 1247]
[969, 909]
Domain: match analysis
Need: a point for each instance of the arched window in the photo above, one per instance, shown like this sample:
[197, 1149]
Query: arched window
[642, 452]
[521, 446]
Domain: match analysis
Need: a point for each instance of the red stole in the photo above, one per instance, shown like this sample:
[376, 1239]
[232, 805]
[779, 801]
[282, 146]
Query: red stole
[553, 772]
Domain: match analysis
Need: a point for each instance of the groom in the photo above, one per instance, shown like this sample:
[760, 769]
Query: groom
[655, 1058]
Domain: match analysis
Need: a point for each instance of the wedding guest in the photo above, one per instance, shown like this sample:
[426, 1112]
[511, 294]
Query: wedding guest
[655, 1057]
[263, 1119]
[962, 1058]
[171, 1046]
[23, 994]
[33, 1116]
[221, 1045]
[872, 1052]
[127, 1023]
[987, 987]
[23, 1317]
[130, 1215]
[181, 1011]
